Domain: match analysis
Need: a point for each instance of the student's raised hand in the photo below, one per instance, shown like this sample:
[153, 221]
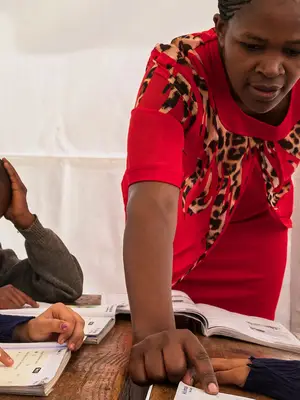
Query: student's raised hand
[11, 297]
[231, 372]
[58, 322]
[172, 356]
[18, 212]
[5, 190]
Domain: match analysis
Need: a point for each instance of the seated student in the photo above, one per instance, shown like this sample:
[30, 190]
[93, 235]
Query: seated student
[57, 320]
[50, 273]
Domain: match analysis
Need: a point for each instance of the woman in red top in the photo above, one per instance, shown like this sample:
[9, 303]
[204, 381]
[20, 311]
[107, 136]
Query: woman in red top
[213, 142]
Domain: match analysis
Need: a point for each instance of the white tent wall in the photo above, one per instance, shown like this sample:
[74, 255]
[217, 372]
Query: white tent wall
[69, 72]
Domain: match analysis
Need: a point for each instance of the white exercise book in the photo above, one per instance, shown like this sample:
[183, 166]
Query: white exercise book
[36, 369]
[215, 321]
[185, 392]
[99, 320]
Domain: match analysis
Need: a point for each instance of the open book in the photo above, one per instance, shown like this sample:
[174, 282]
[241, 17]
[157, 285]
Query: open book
[216, 321]
[97, 328]
[99, 320]
[37, 367]
[185, 392]
[212, 320]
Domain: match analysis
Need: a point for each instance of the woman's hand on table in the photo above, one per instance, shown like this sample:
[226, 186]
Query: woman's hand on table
[172, 355]
[232, 371]
[5, 359]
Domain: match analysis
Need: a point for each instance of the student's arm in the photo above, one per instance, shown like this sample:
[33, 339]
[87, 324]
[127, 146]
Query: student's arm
[50, 273]
[8, 324]
[274, 378]
[58, 320]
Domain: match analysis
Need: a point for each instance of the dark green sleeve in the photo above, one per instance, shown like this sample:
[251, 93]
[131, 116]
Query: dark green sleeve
[50, 273]
[277, 379]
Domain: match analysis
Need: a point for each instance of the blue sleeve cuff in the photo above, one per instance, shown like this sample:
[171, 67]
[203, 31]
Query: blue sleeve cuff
[7, 325]
[278, 379]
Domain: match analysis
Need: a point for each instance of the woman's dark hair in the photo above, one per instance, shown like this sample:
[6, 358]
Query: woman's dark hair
[227, 8]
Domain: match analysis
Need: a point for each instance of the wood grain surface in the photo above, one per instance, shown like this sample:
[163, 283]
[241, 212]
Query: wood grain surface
[98, 372]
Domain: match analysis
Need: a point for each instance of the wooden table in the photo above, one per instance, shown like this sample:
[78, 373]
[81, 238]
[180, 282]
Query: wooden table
[217, 348]
[89, 300]
[98, 372]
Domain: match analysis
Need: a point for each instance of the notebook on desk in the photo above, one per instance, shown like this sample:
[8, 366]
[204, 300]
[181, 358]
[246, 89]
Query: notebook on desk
[36, 369]
[214, 321]
[99, 320]
[185, 392]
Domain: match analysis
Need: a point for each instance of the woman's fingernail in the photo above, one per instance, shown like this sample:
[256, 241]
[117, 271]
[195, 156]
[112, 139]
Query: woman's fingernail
[213, 388]
[72, 346]
[64, 327]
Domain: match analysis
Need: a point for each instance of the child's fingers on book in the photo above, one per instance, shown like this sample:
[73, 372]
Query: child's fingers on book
[5, 358]
[226, 377]
[60, 311]
[79, 343]
[66, 332]
[223, 364]
[189, 377]
[25, 298]
[236, 376]
[11, 295]
[77, 336]
[14, 301]
[48, 326]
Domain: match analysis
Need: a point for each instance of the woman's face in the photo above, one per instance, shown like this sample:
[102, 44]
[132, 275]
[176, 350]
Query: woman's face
[261, 51]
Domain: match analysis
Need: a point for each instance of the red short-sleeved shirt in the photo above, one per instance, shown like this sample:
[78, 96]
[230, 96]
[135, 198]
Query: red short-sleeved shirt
[234, 173]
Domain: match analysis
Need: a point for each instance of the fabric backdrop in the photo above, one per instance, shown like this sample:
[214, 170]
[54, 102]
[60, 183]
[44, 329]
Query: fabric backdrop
[69, 73]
